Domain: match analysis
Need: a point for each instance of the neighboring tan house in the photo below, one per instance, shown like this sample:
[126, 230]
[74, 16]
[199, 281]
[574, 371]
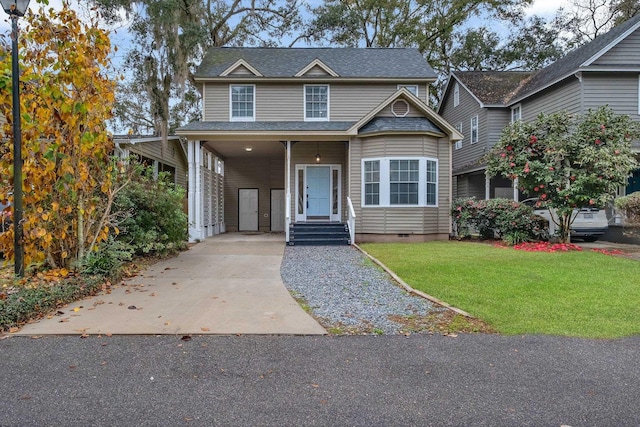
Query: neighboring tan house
[319, 135]
[481, 104]
[170, 158]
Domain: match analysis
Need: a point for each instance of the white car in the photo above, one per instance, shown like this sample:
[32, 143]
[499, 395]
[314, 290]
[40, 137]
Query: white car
[589, 224]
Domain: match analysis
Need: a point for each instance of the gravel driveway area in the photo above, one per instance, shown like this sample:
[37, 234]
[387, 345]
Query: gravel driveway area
[347, 293]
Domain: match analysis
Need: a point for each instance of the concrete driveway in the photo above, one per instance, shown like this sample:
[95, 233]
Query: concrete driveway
[228, 284]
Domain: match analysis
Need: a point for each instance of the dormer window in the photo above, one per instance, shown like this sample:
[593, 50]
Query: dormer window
[316, 102]
[242, 103]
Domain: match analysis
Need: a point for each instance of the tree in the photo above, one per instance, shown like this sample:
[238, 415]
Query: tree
[532, 44]
[66, 98]
[427, 25]
[170, 38]
[567, 162]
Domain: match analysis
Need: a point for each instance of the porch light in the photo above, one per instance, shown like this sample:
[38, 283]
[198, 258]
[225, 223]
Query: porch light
[248, 149]
[16, 9]
[318, 157]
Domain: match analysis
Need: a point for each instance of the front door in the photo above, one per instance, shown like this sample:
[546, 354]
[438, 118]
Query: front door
[318, 192]
[248, 209]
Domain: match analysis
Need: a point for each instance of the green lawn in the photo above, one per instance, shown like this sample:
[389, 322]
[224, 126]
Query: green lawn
[584, 294]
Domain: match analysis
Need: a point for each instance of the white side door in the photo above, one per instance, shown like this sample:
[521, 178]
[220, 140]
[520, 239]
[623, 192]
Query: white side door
[248, 209]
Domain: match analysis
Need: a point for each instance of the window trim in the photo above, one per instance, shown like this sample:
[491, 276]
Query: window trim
[242, 119]
[384, 182]
[304, 103]
[474, 130]
[518, 108]
[458, 144]
[456, 94]
[416, 93]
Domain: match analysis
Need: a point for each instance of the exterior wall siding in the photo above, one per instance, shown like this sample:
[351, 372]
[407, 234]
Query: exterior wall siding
[563, 96]
[467, 108]
[624, 53]
[433, 221]
[619, 91]
[285, 101]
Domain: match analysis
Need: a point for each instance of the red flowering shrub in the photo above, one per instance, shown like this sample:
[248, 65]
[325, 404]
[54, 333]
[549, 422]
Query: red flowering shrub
[505, 219]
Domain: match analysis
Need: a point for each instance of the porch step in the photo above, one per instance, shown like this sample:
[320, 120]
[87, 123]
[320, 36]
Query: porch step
[319, 234]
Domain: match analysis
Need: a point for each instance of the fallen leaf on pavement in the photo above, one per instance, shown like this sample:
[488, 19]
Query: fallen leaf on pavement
[204, 329]
[186, 338]
[77, 309]
[132, 307]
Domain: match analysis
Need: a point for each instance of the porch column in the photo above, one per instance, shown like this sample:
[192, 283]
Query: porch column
[487, 186]
[287, 208]
[198, 192]
[515, 190]
[210, 178]
[191, 194]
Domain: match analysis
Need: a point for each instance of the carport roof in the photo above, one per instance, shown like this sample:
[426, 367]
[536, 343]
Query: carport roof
[284, 126]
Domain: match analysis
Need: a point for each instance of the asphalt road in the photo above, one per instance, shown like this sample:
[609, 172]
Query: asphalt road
[421, 380]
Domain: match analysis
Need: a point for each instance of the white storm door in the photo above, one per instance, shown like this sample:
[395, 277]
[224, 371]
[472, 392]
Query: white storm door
[248, 209]
[277, 210]
[318, 191]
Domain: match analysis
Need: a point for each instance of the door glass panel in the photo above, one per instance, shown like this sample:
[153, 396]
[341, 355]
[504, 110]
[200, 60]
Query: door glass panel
[335, 192]
[300, 191]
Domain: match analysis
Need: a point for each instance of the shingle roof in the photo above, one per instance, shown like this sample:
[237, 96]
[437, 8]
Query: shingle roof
[266, 126]
[399, 124]
[571, 62]
[347, 62]
[493, 87]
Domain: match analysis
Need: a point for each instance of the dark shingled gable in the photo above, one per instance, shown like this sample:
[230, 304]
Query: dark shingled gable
[399, 124]
[493, 87]
[347, 62]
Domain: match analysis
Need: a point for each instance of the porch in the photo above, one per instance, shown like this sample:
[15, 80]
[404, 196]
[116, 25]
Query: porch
[266, 185]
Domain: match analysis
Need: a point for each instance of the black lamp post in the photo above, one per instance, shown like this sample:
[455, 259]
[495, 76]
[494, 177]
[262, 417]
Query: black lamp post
[16, 9]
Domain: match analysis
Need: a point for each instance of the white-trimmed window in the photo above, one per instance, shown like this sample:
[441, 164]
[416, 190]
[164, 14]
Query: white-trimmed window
[316, 102]
[411, 88]
[372, 182]
[458, 144]
[456, 94]
[474, 129]
[393, 181]
[242, 102]
[516, 113]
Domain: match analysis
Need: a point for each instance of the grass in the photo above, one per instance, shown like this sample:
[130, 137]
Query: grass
[581, 294]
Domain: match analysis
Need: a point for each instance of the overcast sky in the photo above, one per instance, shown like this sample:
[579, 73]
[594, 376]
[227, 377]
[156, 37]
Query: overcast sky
[119, 37]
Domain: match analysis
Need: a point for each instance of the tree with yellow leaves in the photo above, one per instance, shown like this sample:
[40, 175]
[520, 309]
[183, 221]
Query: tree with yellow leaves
[68, 176]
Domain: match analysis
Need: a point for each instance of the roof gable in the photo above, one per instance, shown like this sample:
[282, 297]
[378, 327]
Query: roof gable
[316, 68]
[433, 121]
[241, 67]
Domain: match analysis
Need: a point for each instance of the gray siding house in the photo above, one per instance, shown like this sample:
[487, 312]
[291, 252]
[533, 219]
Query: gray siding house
[303, 135]
[605, 71]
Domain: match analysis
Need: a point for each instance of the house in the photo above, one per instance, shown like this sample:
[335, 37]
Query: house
[169, 157]
[481, 104]
[319, 135]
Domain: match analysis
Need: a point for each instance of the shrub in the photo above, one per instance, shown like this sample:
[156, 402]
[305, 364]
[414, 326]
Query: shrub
[29, 302]
[153, 220]
[505, 219]
[108, 260]
[630, 207]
